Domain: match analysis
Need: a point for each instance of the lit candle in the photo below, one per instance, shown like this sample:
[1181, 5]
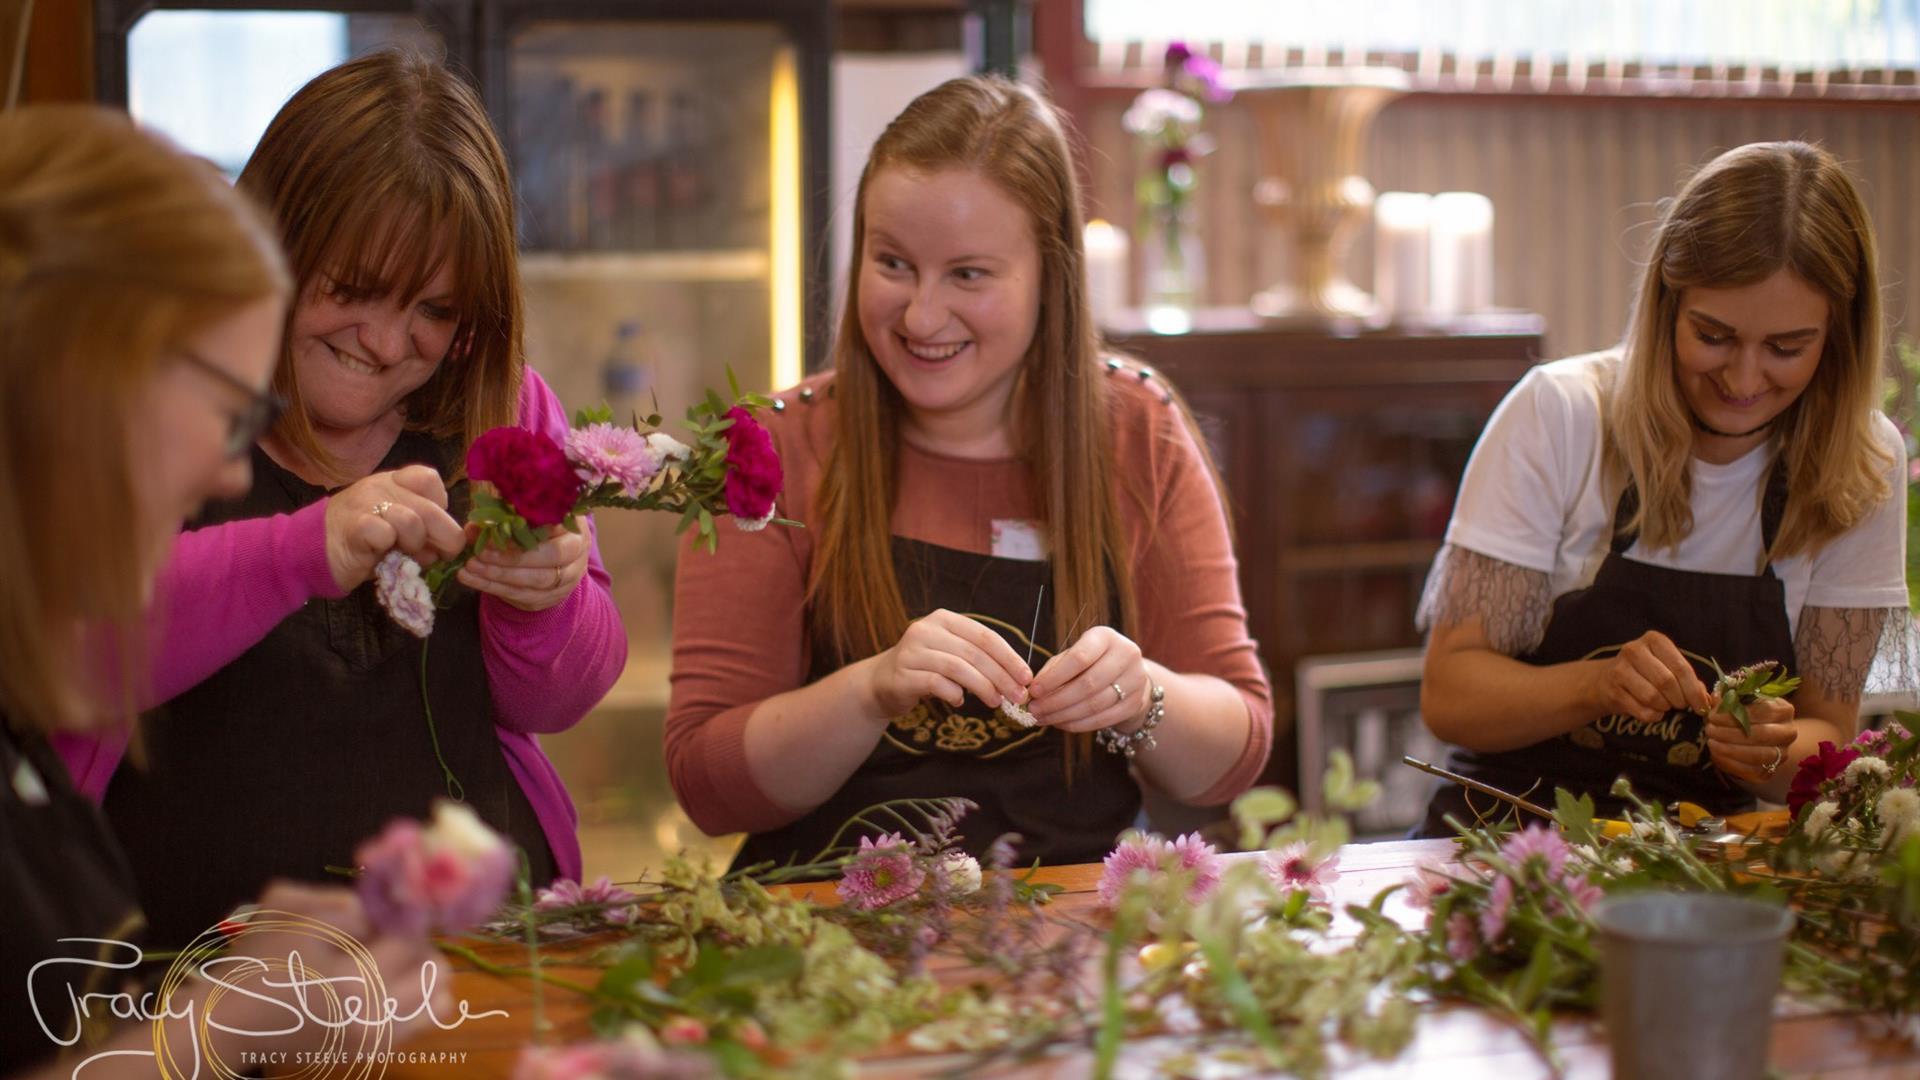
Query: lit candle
[1400, 259]
[1106, 259]
[1461, 240]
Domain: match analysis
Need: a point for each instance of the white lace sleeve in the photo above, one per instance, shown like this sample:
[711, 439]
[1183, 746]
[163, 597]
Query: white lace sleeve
[1512, 603]
[1846, 652]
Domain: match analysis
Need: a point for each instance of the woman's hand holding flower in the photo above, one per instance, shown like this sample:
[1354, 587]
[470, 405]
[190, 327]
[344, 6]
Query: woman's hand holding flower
[530, 580]
[1646, 679]
[1074, 690]
[947, 656]
[404, 509]
[1758, 757]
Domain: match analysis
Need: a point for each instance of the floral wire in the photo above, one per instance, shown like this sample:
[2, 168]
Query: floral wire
[455, 790]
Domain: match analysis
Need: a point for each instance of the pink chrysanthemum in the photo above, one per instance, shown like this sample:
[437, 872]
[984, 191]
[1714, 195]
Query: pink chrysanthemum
[1493, 921]
[613, 454]
[1583, 892]
[1294, 869]
[566, 893]
[1197, 857]
[398, 586]
[1538, 845]
[1136, 852]
[880, 873]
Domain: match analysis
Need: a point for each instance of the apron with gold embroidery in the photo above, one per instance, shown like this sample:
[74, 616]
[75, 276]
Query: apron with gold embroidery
[1736, 619]
[1017, 775]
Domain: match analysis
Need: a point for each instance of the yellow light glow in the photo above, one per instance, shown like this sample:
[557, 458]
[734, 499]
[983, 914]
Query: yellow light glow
[784, 275]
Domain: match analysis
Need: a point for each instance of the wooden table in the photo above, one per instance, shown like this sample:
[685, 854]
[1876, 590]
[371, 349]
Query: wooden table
[1453, 1041]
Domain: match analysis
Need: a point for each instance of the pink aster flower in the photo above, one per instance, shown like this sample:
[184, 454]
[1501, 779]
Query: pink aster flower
[1136, 853]
[1582, 891]
[1537, 845]
[1197, 857]
[880, 873]
[613, 454]
[398, 586]
[1294, 869]
[1493, 921]
[445, 877]
[1430, 882]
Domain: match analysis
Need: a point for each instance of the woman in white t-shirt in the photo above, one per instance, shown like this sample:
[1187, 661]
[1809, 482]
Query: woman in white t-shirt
[1721, 486]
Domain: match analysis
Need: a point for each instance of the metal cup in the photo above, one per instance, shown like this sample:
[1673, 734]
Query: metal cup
[1687, 983]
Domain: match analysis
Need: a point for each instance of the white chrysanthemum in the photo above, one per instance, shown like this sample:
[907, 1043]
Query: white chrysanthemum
[960, 871]
[1899, 813]
[1862, 769]
[1017, 713]
[1820, 818]
[1662, 831]
[1155, 109]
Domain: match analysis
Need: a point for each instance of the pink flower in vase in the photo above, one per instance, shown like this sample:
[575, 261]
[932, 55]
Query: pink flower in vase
[880, 873]
[531, 473]
[754, 477]
[1293, 869]
[613, 454]
[445, 877]
[401, 590]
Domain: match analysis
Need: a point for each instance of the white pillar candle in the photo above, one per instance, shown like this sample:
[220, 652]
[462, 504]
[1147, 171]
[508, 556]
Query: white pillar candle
[1107, 274]
[1400, 259]
[1461, 240]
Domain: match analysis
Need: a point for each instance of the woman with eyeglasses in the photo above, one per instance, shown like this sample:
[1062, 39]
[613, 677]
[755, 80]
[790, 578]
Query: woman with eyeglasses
[293, 722]
[141, 306]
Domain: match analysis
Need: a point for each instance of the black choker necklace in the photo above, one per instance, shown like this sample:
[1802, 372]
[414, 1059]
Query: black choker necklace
[1701, 424]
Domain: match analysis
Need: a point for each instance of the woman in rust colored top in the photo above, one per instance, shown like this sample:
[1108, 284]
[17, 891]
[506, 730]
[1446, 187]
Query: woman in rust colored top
[970, 471]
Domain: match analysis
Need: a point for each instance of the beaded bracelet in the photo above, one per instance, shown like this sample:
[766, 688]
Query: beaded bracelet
[1129, 743]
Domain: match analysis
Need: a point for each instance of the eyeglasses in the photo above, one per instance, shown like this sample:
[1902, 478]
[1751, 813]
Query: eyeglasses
[262, 409]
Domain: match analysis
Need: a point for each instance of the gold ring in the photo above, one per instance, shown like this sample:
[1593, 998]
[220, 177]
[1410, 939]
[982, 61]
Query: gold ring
[557, 576]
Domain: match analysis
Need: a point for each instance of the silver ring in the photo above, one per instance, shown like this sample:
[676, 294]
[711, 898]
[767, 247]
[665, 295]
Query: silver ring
[1122, 694]
[1779, 755]
[380, 508]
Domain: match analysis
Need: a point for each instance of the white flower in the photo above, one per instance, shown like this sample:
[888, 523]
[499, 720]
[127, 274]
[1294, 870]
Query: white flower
[1862, 769]
[1820, 818]
[960, 871]
[753, 524]
[668, 447]
[456, 828]
[1899, 813]
[1017, 713]
[401, 590]
[1155, 109]
[1661, 831]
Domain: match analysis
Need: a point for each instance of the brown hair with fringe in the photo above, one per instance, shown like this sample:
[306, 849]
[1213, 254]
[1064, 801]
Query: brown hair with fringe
[115, 249]
[377, 172]
[1750, 213]
[1014, 138]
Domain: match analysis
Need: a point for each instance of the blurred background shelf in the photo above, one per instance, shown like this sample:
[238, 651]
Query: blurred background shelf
[689, 267]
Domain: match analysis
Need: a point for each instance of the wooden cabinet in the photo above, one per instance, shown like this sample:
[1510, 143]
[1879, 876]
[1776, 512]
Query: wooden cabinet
[1341, 455]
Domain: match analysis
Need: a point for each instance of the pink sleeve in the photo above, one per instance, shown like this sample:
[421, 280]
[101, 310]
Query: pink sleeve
[547, 668]
[223, 589]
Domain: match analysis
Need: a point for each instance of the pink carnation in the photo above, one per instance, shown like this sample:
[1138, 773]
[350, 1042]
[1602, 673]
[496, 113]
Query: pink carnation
[443, 878]
[1815, 770]
[880, 873]
[1293, 869]
[531, 473]
[754, 477]
[401, 590]
[613, 454]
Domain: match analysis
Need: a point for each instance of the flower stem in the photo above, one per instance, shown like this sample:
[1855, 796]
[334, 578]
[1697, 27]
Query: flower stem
[455, 790]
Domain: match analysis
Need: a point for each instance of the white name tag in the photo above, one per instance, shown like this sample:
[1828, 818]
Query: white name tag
[1015, 539]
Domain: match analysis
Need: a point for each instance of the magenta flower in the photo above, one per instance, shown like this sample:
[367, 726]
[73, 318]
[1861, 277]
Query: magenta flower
[398, 586]
[1136, 853]
[880, 873]
[443, 878]
[1294, 869]
[1197, 857]
[1816, 770]
[683, 1030]
[754, 478]
[530, 472]
[1539, 846]
[613, 454]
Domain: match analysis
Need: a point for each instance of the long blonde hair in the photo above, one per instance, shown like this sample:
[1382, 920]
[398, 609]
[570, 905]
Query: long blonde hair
[114, 249]
[1750, 213]
[1010, 135]
[367, 169]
